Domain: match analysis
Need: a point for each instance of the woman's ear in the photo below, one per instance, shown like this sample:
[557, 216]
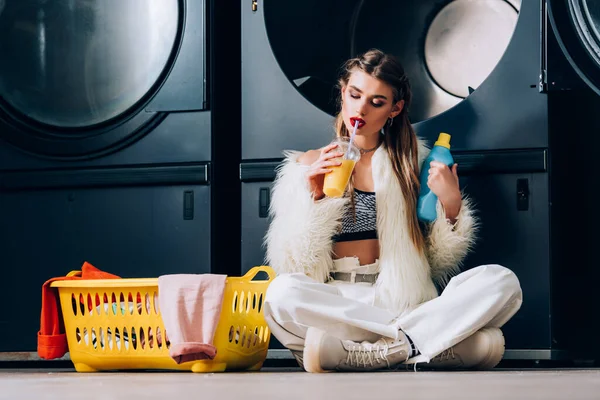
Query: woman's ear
[397, 109]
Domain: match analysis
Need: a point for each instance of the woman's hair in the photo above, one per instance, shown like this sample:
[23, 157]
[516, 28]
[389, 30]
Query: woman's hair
[399, 137]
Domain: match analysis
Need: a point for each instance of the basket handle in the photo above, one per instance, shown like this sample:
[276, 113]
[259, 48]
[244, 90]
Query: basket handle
[263, 268]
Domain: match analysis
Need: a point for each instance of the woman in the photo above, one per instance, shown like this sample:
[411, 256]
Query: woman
[357, 275]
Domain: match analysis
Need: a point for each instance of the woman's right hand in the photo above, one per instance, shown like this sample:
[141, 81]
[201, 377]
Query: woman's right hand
[321, 166]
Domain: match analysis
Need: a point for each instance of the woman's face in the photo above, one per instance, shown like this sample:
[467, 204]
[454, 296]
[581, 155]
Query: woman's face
[369, 101]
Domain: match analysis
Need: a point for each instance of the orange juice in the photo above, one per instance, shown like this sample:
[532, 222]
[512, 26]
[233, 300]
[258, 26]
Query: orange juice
[336, 181]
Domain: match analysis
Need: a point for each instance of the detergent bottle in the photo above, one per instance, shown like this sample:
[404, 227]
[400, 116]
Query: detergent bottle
[426, 205]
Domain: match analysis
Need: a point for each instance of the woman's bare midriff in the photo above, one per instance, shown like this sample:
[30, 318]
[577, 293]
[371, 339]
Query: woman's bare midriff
[367, 250]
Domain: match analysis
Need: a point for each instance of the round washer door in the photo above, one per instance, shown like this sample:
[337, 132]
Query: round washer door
[75, 75]
[448, 48]
[576, 24]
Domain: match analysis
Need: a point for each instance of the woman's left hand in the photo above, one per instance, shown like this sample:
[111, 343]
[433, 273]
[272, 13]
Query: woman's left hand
[443, 182]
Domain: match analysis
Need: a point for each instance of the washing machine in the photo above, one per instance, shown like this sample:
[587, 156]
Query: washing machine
[478, 71]
[107, 155]
[571, 81]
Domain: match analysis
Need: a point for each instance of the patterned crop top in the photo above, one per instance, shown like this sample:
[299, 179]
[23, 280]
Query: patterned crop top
[365, 226]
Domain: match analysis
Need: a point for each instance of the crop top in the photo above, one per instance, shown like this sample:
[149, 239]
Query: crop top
[365, 226]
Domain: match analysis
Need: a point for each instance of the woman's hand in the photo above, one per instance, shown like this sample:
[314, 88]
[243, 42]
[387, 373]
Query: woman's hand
[320, 167]
[443, 182]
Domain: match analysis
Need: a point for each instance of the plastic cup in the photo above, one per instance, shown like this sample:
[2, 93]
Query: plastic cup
[336, 181]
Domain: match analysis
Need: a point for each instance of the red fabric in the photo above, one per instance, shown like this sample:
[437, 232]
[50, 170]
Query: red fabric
[52, 340]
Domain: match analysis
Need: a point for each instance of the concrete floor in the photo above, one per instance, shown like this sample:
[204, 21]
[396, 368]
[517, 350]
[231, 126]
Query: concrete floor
[291, 384]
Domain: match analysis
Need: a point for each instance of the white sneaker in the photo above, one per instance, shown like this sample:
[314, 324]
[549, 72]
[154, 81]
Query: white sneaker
[481, 351]
[324, 352]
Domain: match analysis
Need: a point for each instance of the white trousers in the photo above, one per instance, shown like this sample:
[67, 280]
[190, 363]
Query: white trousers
[485, 296]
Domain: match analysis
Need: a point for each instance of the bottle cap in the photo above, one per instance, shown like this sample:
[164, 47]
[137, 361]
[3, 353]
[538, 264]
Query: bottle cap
[443, 140]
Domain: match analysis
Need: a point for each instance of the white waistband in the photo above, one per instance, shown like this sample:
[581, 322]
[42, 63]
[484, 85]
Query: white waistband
[352, 264]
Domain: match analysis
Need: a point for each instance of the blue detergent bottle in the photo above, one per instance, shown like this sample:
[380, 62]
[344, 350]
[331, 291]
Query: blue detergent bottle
[426, 205]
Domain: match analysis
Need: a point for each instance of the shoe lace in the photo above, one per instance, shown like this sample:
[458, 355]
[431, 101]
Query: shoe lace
[446, 355]
[361, 356]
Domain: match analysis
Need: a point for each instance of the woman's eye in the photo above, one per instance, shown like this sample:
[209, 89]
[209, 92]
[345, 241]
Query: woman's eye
[354, 96]
[378, 104]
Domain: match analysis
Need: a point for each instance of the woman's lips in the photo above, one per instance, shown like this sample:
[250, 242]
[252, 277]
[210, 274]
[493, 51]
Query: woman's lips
[361, 122]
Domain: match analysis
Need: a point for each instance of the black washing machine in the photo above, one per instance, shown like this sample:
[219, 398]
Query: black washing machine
[477, 72]
[571, 81]
[106, 149]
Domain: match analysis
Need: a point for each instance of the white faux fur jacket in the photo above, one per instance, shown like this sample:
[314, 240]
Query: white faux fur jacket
[299, 238]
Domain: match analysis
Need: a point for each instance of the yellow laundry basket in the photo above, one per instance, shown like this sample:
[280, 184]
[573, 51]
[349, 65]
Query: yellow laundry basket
[115, 324]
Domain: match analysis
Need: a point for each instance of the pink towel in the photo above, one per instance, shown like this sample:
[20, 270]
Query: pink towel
[190, 307]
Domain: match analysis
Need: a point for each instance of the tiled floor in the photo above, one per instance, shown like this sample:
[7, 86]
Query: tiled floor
[291, 384]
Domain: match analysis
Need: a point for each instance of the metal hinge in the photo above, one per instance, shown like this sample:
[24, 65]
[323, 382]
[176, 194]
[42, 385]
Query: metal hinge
[254, 5]
[543, 83]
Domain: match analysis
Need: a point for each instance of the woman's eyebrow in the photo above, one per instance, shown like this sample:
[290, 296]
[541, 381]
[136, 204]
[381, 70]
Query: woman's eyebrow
[377, 96]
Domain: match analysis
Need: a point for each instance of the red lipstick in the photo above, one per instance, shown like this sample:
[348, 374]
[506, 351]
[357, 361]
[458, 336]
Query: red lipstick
[361, 122]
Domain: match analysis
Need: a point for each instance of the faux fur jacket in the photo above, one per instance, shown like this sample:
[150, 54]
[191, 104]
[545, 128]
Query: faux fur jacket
[299, 238]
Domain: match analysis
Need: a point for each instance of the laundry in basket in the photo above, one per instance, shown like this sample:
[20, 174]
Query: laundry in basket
[191, 308]
[117, 324]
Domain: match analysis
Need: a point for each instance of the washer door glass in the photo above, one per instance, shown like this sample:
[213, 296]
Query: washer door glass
[74, 64]
[448, 48]
[576, 24]
[587, 17]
